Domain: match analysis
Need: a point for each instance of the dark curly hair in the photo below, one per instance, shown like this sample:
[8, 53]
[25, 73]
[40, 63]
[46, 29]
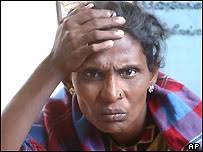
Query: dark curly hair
[142, 26]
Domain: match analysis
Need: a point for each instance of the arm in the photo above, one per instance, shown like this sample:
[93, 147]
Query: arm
[26, 104]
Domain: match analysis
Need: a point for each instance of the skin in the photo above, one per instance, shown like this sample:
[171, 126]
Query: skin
[76, 41]
[98, 84]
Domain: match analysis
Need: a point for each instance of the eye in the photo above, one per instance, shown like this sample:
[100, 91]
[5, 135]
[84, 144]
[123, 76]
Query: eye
[93, 75]
[128, 73]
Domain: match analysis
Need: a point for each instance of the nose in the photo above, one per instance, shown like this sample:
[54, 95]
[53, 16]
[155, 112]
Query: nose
[111, 91]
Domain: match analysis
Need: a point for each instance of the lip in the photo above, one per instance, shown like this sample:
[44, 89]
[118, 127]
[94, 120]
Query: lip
[113, 111]
[113, 115]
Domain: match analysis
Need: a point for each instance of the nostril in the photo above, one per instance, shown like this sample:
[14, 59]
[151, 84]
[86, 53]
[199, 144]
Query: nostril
[120, 96]
[112, 96]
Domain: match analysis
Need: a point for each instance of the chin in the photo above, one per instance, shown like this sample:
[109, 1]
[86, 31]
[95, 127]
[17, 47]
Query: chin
[111, 128]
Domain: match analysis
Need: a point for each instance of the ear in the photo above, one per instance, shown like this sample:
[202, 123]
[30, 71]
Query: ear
[154, 76]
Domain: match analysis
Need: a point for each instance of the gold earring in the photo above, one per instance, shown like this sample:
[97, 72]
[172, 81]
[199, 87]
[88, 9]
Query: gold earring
[71, 90]
[151, 88]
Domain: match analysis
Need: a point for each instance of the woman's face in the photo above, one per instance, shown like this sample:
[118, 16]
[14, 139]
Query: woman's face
[111, 86]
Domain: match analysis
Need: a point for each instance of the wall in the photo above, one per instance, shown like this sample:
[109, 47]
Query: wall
[28, 32]
[184, 46]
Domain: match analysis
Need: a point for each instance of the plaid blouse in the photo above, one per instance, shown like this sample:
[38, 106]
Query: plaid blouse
[149, 140]
[175, 121]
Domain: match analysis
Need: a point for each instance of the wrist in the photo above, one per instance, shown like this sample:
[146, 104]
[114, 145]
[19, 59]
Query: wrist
[55, 66]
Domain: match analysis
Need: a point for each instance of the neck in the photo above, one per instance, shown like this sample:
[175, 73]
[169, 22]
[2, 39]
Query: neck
[133, 132]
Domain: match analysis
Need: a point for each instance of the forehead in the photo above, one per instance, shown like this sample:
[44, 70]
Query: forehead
[125, 51]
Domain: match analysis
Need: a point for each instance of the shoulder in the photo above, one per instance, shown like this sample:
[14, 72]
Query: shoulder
[167, 82]
[173, 105]
[37, 136]
[48, 130]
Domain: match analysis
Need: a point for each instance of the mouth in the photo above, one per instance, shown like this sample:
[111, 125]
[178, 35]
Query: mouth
[113, 115]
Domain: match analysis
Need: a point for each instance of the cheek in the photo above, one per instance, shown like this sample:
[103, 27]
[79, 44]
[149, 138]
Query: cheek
[136, 96]
[137, 90]
[86, 95]
[87, 92]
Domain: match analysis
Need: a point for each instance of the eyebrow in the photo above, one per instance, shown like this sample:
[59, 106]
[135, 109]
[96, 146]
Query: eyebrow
[94, 67]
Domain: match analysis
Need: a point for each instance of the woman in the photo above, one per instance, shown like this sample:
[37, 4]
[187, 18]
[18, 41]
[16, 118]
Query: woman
[109, 53]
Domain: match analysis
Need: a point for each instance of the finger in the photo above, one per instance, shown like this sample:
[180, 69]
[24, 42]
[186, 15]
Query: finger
[80, 8]
[88, 6]
[76, 10]
[102, 23]
[89, 14]
[99, 35]
[86, 51]
[96, 47]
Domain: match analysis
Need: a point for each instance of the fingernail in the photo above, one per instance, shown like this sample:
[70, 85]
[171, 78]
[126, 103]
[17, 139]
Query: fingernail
[113, 14]
[119, 20]
[119, 33]
[109, 13]
[109, 43]
[89, 5]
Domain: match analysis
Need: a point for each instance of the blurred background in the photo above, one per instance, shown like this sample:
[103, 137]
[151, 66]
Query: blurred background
[28, 32]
